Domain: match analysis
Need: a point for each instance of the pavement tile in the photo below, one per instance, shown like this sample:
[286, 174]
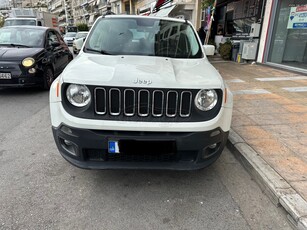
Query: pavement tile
[235, 86]
[283, 131]
[283, 100]
[298, 146]
[296, 108]
[282, 84]
[262, 109]
[270, 147]
[300, 187]
[274, 124]
[292, 95]
[241, 121]
[266, 96]
[290, 118]
[292, 168]
[252, 103]
[270, 119]
[302, 101]
[252, 132]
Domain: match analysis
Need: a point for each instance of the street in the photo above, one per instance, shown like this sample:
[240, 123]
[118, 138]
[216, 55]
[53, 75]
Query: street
[40, 190]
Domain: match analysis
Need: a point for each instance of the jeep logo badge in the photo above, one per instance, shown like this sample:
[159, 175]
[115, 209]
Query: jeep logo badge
[139, 81]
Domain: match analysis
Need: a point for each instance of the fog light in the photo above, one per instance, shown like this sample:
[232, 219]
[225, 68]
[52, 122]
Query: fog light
[66, 130]
[69, 146]
[32, 70]
[212, 146]
[67, 142]
[215, 133]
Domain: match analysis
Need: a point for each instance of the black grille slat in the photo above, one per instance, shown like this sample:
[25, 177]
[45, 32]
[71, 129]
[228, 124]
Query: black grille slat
[171, 103]
[185, 103]
[114, 101]
[100, 97]
[156, 103]
[129, 98]
[143, 103]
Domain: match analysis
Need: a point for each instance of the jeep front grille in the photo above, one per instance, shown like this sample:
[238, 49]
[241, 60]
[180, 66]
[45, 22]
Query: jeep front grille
[143, 102]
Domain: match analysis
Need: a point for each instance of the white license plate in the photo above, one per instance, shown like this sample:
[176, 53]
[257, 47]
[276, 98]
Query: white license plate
[113, 147]
[5, 76]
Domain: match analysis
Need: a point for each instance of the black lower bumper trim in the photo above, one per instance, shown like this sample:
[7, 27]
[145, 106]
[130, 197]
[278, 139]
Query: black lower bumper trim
[89, 149]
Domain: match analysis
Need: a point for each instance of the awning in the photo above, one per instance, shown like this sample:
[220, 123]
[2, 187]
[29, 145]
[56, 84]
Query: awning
[164, 12]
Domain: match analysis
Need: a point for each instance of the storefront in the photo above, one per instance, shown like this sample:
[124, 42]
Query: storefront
[286, 43]
[284, 35]
[240, 22]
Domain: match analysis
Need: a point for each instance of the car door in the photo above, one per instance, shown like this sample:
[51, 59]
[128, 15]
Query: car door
[66, 55]
[55, 52]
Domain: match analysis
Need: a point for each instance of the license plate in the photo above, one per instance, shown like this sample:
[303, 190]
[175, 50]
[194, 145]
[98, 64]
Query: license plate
[5, 76]
[113, 147]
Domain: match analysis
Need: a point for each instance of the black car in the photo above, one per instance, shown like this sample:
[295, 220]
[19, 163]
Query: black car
[31, 56]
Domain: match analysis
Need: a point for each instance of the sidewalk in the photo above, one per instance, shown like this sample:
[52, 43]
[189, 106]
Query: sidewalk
[269, 131]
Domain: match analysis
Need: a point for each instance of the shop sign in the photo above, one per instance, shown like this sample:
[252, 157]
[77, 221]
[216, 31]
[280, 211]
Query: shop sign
[298, 17]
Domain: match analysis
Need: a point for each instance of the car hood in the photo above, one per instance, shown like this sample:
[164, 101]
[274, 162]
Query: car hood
[141, 71]
[8, 53]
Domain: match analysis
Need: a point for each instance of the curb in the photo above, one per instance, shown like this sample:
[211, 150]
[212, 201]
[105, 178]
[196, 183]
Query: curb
[278, 190]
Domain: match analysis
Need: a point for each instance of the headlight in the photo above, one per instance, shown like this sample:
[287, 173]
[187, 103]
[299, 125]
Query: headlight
[206, 99]
[27, 62]
[78, 95]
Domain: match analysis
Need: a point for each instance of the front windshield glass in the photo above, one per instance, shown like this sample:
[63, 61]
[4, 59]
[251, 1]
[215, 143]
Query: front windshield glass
[70, 35]
[143, 36]
[22, 36]
[81, 35]
[20, 22]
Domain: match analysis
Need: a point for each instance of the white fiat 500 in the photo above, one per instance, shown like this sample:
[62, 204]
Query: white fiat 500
[141, 94]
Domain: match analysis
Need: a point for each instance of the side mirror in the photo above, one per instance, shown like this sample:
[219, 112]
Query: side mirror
[209, 50]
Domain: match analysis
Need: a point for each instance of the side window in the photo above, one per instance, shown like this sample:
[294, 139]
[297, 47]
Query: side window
[52, 38]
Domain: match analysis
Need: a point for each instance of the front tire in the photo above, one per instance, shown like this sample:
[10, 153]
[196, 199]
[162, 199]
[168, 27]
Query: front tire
[48, 78]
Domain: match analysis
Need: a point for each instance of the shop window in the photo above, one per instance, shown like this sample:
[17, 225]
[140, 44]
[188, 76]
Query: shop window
[289, 37]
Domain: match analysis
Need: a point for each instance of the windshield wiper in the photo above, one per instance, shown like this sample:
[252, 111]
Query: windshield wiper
[98, 51]
[16, 45]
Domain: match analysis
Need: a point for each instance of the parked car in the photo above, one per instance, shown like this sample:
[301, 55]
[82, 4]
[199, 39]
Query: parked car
[141, 95]
[69, 37]
[31, 56]
[79, 40]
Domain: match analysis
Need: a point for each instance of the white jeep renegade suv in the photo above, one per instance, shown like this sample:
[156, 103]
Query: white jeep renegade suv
[141, 94]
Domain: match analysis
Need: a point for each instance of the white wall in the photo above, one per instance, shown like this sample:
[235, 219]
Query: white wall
[265, 27]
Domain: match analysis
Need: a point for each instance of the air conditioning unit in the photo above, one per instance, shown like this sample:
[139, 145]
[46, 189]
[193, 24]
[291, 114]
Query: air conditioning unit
[249, 50]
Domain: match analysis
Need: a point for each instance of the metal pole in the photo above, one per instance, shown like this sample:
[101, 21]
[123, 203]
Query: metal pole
[66, 15]
[210, 23]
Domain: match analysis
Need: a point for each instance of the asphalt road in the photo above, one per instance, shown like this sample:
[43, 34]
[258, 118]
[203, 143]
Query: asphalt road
[40, 190]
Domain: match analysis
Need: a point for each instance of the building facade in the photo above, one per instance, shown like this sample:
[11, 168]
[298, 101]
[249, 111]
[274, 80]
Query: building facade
[283, 40]
[272, 32]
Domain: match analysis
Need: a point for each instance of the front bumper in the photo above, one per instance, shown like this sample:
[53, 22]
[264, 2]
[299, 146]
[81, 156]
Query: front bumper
[20, 77]
[69, 42]
[88, 149]
[26, 81]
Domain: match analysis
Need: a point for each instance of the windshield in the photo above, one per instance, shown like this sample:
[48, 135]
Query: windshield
[20, 22]
[22, 36]
[81, 35]
[72, 28]
[143, 36]
[70, 35]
